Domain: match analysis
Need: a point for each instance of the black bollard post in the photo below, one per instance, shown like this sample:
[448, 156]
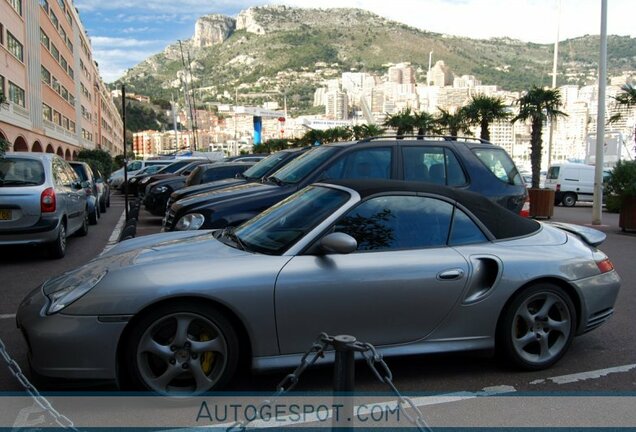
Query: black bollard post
[343, 383]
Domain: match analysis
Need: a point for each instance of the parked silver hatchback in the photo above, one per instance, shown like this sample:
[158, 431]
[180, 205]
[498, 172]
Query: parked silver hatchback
[42, 201]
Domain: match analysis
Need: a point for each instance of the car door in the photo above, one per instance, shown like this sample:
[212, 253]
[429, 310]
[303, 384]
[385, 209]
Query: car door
[396, 288]
[65, 194]
[78, 198]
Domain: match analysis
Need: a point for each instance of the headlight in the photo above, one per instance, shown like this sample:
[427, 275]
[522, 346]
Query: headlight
[160, 189]
[144, 181]
[133, 180]
[190, 222]
[72, 288]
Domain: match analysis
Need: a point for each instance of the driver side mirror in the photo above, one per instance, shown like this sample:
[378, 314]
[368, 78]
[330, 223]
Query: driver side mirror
[85, 185]
[339, 243]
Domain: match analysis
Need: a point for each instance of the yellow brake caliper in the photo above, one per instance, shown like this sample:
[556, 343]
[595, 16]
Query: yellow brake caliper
[207, 359]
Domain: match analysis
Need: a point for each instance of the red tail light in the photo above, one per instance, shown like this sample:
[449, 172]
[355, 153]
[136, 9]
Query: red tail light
[47, 201]
[558, 188]
[89, 191]
[525, 210]
[605, 265]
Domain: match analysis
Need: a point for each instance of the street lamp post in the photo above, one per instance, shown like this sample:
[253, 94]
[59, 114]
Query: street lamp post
[600, 120]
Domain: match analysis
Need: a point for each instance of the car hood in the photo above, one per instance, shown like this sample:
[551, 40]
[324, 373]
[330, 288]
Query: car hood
[167, 181]
[158, 250]
[206, 187]
[236, 191]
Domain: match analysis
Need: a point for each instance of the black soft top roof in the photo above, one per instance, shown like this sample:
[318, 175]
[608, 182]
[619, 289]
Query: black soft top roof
[501, 222]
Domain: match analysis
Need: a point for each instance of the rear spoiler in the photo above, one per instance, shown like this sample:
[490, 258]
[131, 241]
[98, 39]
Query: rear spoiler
[591, 236]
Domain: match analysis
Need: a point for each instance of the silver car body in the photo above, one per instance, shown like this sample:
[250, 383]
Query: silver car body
[396, 300]
[27, 224]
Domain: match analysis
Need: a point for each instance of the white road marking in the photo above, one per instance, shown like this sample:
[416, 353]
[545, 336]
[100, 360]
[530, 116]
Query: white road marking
[582, 376]
[114, 237]
[7, 316]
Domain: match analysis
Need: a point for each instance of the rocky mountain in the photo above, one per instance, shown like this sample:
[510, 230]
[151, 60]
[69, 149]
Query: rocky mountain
[280, 48]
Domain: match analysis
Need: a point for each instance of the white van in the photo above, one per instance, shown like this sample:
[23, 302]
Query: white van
[571, 182]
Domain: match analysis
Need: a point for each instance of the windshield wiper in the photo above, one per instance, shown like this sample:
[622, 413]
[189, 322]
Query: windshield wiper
[275, 180]
[229, 233]
[18, 182]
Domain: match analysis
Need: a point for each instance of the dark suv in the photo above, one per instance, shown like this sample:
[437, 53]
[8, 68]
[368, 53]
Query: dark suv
[466, 163]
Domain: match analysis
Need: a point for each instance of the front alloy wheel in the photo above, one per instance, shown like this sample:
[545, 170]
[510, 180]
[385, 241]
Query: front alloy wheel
[183, 350]
[538, 327]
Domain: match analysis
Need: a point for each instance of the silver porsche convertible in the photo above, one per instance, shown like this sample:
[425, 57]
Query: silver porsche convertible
[409, 267]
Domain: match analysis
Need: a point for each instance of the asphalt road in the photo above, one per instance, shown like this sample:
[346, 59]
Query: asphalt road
[604, 359]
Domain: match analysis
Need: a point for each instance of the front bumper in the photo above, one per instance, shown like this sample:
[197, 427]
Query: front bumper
[598, 295]
[68, 346]
[156, 203]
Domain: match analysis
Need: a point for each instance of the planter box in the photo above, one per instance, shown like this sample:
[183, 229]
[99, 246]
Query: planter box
[627, 218]
[541, 203]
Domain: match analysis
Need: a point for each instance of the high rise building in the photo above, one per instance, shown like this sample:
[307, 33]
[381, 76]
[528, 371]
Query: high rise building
[337, 106]
[57, 102]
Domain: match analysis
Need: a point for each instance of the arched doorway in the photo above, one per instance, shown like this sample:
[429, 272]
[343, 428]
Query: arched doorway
[60, 152]
[37, 147]
[3, 136]
[20, 144]
[50, 149]
[74, 155]
[67, 155]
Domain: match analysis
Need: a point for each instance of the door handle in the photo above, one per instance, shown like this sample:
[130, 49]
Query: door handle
[453, 274]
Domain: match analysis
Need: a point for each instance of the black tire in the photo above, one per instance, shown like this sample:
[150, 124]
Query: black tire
[108, 200]
[92, 217]
[569, 199]
[83, 231]
[102, 205]
[525, 351]
[137, 364]
[57, 249]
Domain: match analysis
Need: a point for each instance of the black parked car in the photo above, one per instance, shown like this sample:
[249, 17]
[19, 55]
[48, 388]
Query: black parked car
[258, 173]
[176, 168]
[466, 163]
[157, 193]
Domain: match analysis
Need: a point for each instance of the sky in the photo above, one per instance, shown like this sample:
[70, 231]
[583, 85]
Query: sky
[126, 32]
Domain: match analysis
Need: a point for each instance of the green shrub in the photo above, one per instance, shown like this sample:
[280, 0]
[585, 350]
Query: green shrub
[621, 183]
[98, 160]
[613, 203]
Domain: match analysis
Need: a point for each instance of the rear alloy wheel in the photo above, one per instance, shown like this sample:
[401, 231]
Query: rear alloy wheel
[537, 327]
[569, 200]
[57, 249]
[102, 205]
[182, 350]
[92, 217]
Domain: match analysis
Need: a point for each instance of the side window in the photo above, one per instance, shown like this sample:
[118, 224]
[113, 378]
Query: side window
[60, 174]
[72, 175]
[366, 163]
[398, 222]
[464, 231]
[432, 165]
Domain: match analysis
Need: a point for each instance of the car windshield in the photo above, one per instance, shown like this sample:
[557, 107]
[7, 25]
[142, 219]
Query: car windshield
[263, 167]
[20, 172]
[302, 166]
[276, 229]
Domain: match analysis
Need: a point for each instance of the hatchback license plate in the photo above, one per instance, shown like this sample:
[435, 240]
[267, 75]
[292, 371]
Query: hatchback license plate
[5, 214]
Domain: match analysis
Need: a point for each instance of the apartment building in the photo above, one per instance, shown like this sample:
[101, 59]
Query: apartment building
[56, 101]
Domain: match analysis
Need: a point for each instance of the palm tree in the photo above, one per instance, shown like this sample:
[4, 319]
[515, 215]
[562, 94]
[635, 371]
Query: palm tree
[538, 105]
[425, 123]
[625, 99]
[366, 131]
[454, 122]
[483, 110]
[402, 121]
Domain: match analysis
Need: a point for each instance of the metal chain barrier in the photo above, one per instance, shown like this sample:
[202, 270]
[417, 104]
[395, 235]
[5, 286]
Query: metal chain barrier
[42, 402]
[373, 359]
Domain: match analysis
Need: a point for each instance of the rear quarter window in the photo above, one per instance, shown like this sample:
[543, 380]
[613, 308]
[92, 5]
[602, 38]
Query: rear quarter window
[500, 164]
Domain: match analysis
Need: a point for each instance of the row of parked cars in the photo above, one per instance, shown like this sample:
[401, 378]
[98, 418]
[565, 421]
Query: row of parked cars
[425, 233]
[44, 199]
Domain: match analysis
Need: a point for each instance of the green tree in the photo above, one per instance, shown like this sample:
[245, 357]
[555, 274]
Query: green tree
[454, 123]
[366, 131]
[98, 160]
[483, 110]
[537, 106]
[627, 99]
[402, 121]
[425, 123]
